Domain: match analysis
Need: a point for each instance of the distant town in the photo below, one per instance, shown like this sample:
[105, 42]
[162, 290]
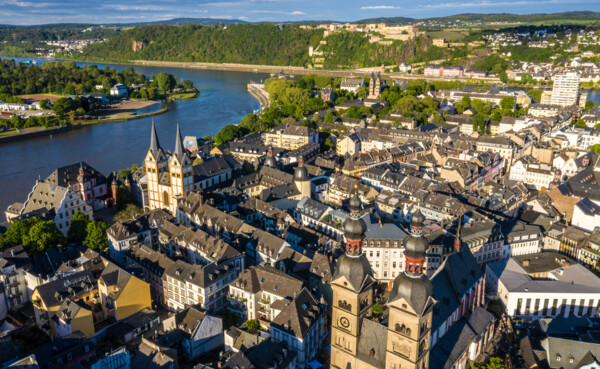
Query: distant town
[416, 216]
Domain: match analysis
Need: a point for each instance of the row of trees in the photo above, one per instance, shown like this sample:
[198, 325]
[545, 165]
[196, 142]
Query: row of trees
[37, 235]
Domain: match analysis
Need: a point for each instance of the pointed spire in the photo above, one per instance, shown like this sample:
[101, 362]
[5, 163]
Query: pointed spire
[457, 239]
[178, 144]
[154, 144]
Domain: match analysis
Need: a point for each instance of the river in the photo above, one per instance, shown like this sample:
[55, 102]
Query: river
[223, 100]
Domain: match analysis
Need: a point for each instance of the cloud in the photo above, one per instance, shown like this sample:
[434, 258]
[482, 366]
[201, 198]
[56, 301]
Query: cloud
[28, 4]
[295, 12]
[379, 7]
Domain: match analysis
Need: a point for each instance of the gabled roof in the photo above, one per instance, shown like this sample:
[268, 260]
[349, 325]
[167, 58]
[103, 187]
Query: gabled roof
[298, 316]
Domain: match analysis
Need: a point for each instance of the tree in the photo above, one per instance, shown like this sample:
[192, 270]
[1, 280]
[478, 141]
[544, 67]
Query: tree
[503, 76]
[44, 104]
[17, 231]
[166, 82]
[96, 237]
[580, 123]
[495, 363]
[253, 325]
[188, 85]
[62, 107]
[77, 230]
[437, 118]
[536, 94]
[328, 117]
[377, 309]
[590, 104]
[42, 235]
[329, 143]
[124, 198]
[507, 102]
[128, 213]
[478, 123]
[596, 149]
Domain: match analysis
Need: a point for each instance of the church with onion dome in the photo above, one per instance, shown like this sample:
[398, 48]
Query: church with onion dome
[436, 322]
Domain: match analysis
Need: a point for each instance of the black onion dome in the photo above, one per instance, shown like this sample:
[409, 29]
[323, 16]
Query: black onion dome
[355, 268]
[355, 204]
[270, 160]
[301, 173]
[354, 228]
[416, 290]
[417, 219]
[415, 247]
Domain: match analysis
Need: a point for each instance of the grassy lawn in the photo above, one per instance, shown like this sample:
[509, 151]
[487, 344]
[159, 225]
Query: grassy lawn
[184, 95]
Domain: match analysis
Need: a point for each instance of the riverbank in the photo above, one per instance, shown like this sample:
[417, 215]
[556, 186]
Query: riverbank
[23, 134]
[31, 133]
[259, 93]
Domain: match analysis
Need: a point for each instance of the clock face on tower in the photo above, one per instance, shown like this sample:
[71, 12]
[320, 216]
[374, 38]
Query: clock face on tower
[344, 322]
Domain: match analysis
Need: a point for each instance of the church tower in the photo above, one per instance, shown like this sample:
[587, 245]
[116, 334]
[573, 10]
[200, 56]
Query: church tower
[410, 306]
[156, 165]
[353, 286]
[301, 179]
[181, 173]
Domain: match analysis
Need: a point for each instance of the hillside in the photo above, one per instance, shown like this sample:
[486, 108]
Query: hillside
[182, 21]
[524, 18]
[241, 43]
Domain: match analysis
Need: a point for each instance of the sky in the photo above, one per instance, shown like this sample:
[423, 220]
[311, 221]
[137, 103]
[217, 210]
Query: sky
[24, 12]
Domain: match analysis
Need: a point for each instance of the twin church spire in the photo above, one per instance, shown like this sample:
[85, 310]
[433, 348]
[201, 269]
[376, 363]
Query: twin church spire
[155, 147]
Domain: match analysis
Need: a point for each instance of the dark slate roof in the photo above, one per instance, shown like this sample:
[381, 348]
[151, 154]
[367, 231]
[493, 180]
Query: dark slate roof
[112, 275]
[16, 256]
[298, 316]
[267, 278]
[451, 281]
[213, 167]
[67, 176]
[55, 292]
[198, 275]
[454, 343]
[373, 338]
[60, 347]
[269, 355]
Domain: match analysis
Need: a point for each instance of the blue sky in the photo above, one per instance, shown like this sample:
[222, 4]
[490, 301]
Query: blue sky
[115, 11]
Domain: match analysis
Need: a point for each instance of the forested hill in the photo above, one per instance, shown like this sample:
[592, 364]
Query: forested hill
[238, 43]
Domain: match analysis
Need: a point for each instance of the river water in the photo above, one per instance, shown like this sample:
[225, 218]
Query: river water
[223, 100]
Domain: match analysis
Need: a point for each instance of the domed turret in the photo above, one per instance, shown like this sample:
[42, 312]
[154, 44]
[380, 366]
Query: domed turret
[412, 285]
[416, 290]
[270, 161]
[301, 173]
[415, 244]
[354, 227]
[355, 268]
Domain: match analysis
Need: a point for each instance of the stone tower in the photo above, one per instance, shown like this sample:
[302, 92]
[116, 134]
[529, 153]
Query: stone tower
[301, 179]
[410, 306]
[156, 164]
[181, 173]
[353, 286]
